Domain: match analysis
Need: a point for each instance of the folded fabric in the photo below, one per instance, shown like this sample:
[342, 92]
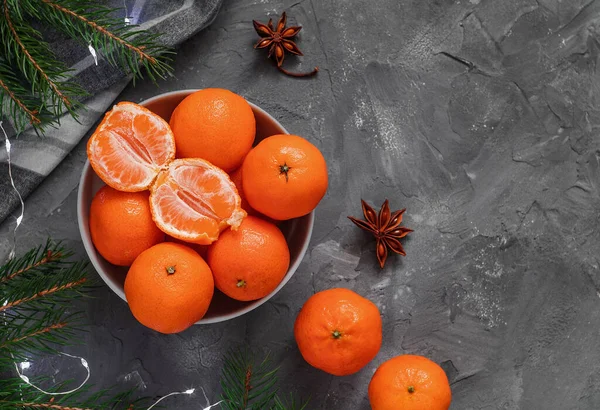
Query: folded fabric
[32, 157]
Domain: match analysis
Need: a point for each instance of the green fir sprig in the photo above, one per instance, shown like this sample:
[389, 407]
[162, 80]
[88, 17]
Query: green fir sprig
[248, 384]
[33, 290]
[36, 88]
[14, 394]
[36, 295]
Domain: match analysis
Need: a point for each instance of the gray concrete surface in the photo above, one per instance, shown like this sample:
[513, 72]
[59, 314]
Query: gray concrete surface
[481, 118]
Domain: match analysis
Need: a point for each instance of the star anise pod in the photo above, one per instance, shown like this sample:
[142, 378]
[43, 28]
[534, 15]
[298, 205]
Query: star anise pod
[279, 40]
[385, 226]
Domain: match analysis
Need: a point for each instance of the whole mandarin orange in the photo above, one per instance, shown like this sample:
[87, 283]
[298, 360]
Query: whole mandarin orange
[411, 383]
[250, 262]
[338, 331]
[284, 177]
[169, 287]
[121, 225]
[200, 249]
[236, 178]
[216, 125]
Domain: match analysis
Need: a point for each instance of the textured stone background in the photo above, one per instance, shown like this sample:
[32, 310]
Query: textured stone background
[479, 116]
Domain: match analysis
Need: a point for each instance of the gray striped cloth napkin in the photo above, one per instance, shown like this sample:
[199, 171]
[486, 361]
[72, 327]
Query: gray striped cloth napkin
[32, 157]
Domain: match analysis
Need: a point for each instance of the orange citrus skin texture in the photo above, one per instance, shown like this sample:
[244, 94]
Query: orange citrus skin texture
[338, 331]
[121, 225]
[236, 178]
[216, 125]
[169, 287]
[284, 177]
[192, 200]
[249, 263]
[200, 249]
[411, 383]
[130, 147]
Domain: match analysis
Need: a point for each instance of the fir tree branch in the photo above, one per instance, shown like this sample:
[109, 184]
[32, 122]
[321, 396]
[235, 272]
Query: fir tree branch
[247, 384]
[17, 102]
[25, 49]
[34, 334]
[43, 293]
[30, 287]
[32, 115]
[50, 257]
[38, 287]
[37, 87]
[14, 394]
[29, 57]
[292, 403]
[138, 50]
[34, 260]
[48, 406]
[29, 333]
[91, 23]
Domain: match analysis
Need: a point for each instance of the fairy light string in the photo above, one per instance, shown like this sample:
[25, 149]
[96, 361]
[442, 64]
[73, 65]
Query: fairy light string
[19, 220]
[188, 392]
[83, 362]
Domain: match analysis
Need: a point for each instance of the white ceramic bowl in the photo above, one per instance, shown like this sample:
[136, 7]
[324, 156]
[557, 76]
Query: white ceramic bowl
[297, 231]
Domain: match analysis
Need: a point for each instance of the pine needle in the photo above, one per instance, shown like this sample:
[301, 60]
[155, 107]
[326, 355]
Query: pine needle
[14, 394]
[251, 385]
[33, 289]
[35, 87]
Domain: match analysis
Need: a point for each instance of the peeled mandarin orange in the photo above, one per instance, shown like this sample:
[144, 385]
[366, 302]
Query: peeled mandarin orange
[169, 287]
[338, 331]
[130, 147]
[249, 263]
[121, 225]
[216, 125]
[410, 382]
[194, 201]
[284, 177]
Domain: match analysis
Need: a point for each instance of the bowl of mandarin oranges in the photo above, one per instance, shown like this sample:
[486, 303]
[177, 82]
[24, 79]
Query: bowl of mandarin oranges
[197, 206]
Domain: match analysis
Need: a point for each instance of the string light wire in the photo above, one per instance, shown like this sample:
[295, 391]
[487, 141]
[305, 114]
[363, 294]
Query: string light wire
[8, 148]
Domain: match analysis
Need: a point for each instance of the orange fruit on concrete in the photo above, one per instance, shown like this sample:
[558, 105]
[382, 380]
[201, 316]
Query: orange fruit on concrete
[130, 147]
[169, 287]
[410, 382]
[121, 225]
[338, 331]
[249, 263]
[216, 125]
[194, 201]
[284, 177]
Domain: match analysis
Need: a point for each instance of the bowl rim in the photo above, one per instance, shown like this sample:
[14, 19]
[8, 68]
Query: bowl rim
[94, 256]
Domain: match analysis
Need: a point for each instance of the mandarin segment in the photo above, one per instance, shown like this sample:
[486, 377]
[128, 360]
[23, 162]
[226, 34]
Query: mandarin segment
[216, 125]
[192, 200]
[338, 331]
[169, 287]
[410, 382]
[249, 263]
[121, 225]
[130, 147]
[284, 177]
